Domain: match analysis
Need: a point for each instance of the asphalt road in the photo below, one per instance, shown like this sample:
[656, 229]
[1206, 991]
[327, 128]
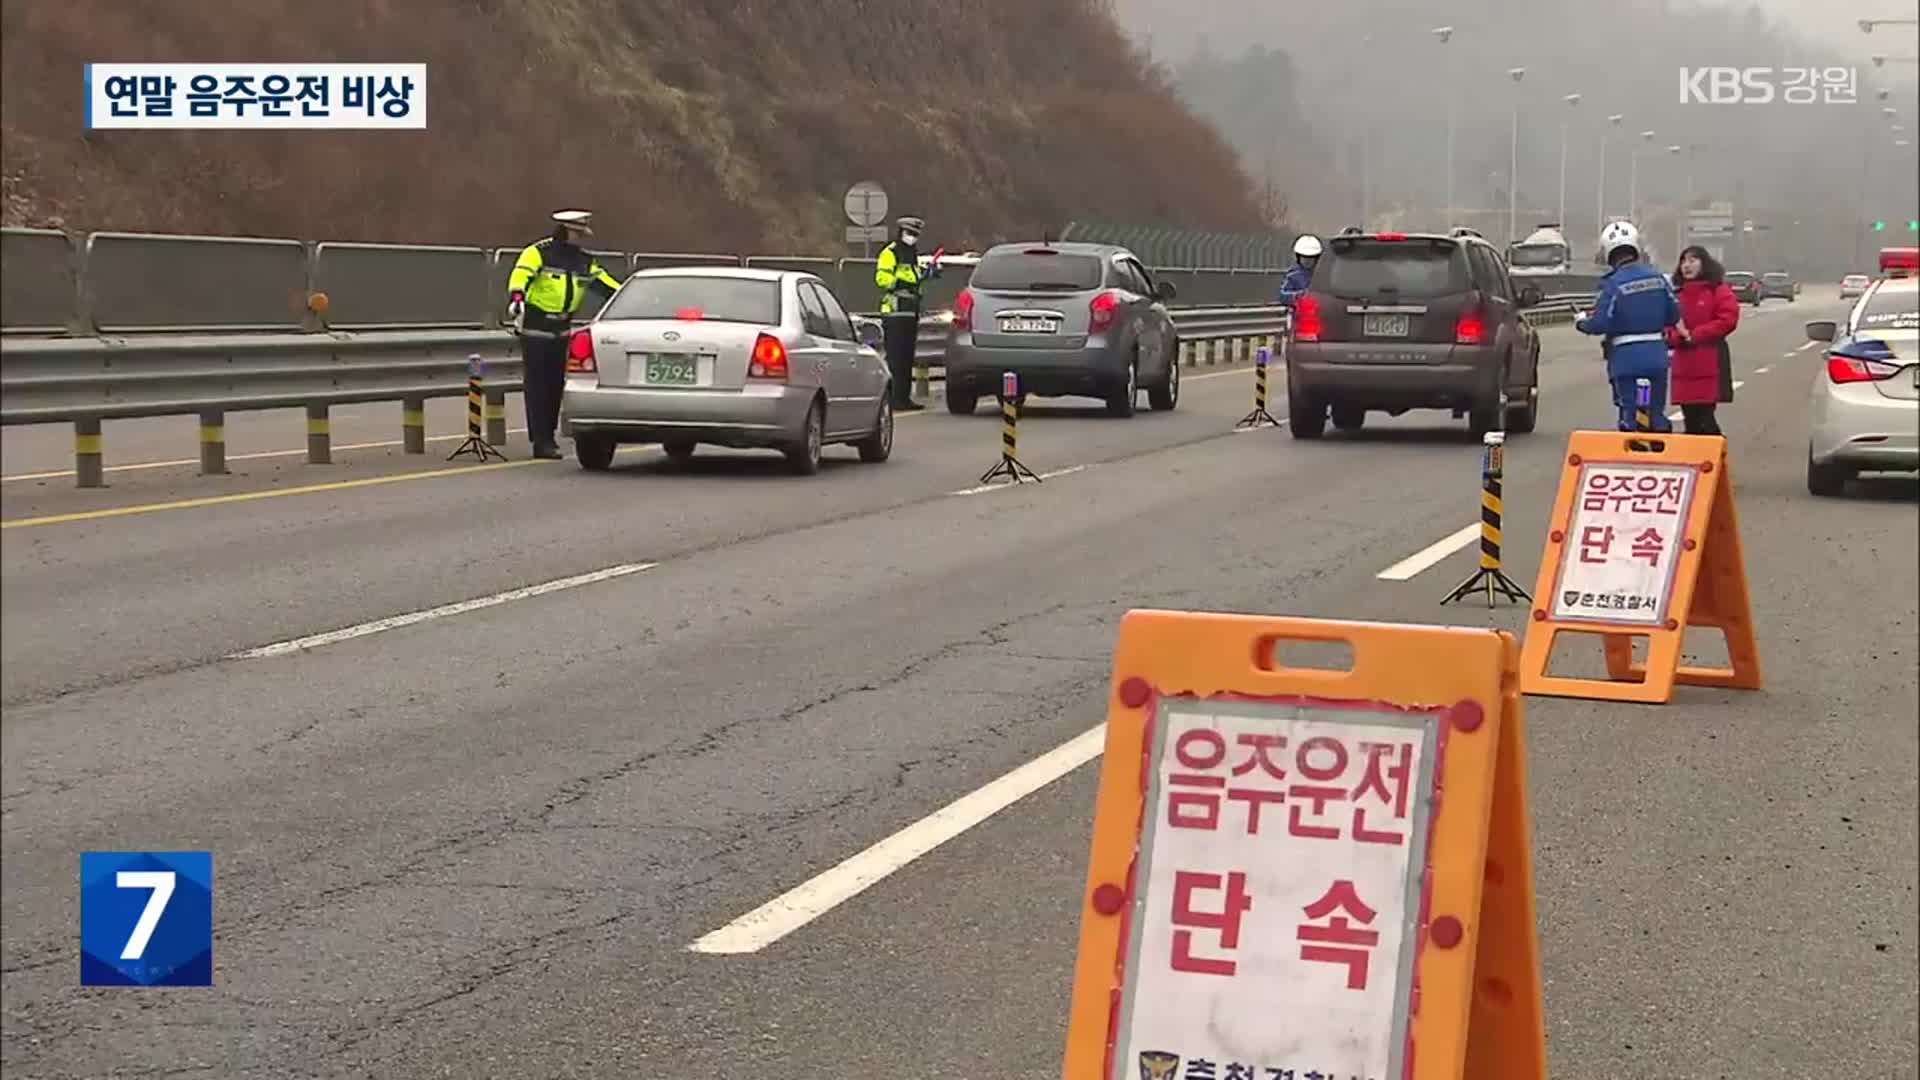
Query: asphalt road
[480, 842]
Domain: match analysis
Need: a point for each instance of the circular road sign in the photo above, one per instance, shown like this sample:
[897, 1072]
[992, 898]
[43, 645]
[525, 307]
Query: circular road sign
[866, 203]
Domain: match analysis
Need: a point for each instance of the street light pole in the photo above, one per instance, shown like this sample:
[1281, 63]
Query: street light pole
[1444, 33]
[1571, 100]
[1633, 180]
[1680, 219]
[1513, 157]
[1600, 207]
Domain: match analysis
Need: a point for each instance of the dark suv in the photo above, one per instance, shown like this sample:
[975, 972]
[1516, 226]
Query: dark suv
[1398, 321]
[1068, 319]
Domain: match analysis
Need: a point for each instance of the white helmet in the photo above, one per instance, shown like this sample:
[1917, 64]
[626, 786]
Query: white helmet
[1307, 247]
[1617, 235]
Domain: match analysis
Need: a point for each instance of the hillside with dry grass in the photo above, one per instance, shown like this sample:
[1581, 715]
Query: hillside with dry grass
[685, 124]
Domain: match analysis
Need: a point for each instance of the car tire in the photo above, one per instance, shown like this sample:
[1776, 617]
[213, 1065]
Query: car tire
[1826, 480]
[594, 452]
[1522, 419]
[1122, 399]
[1349, 418]
[803, 457]
[1306, 419]
[961, 404]
[1166, 396]
[679, 451]
[878, 446]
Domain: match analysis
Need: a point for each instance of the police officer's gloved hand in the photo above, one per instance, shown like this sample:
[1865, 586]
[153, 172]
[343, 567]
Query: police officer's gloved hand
[516, 304]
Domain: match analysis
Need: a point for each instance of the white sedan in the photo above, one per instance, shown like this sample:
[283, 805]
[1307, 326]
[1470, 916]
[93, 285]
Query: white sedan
[1866, 402]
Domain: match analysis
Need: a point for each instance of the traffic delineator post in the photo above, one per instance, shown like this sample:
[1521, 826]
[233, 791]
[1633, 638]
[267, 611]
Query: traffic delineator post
[1642, 410]
[1009, 468]
[1259, 417]
[1490, 578]
[475, 444]
[1200, 937]
[1622, 503]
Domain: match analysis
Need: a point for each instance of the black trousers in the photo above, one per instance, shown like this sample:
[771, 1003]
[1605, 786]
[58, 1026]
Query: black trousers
[1700, 420]
[546, 363]
[902, 334]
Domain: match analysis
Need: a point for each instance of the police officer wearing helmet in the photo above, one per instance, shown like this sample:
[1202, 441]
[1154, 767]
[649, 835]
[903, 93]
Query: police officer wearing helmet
[1306, 252]
[1630, 315]
[897, 274]
[549, 280]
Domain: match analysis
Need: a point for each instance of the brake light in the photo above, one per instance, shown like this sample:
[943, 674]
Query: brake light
[1306, 319]
[963, 309]
[1102, 309]
[1842, 368]
[1390, 236]
[580, 359]
[1469, 329]
[769, 358]
[692, 314]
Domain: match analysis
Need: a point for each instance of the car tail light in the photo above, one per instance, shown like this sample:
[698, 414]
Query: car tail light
[1390, 236]
[691, 314]
[1842, 368]
[769, 359]
[580, 359]
[963, 309]
[1103, 308]
[1306, 319]
[1470, 328]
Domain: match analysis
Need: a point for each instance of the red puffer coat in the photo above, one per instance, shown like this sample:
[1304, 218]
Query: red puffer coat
[1710, 312]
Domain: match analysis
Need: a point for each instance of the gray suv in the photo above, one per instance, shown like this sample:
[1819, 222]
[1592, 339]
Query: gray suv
[1069, 319]
[1397, 321]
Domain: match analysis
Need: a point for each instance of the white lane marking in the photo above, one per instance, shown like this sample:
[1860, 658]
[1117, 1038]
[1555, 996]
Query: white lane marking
[984, 488]
[806, 902]
[1762, 370]
[334, 637]
[178, 462]
[1430, 555]
[1807, 346]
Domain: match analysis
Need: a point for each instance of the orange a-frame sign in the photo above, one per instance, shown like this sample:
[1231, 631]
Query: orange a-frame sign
[1643, 542]
[1300, 869]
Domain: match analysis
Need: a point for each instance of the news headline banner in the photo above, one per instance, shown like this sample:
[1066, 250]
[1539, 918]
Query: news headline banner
[256, 96]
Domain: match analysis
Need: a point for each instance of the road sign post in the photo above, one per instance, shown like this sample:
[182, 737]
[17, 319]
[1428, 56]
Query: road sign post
[866, 206]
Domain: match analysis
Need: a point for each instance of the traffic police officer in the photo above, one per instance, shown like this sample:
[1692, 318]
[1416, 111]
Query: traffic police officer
[1299, 276]
[897, 273]
[548, 282]
[1630, 315]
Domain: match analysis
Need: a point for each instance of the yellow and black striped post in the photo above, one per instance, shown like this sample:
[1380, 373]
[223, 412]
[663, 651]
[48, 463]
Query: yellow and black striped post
[213, 443]
[1490, 578]
[476, 443]
[1642, 411]
[1259, 417]
[89, 470]
[413, 426]
[319, 436]
[496, 416]
[1009, 467]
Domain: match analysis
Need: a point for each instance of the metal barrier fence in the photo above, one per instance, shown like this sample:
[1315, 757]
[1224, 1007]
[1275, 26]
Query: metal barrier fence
[54, 283]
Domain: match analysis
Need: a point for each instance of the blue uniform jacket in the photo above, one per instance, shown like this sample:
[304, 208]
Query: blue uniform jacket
[1634, 300]
[1294, 285]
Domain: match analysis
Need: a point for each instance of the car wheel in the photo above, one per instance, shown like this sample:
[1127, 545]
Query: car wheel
[1166, 396]
[1306, 419]
[1349, 417]
[595, 452]
[1522, 419]
[680, 451]
[1826, 480]
[961, 404]
[1121, 401]
[878, 446]
[803, 457]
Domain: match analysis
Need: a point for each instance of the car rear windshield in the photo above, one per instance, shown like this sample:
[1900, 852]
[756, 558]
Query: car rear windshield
[1042, 270]
[1537, 255]
[712, 299]
[1397, 267]
[1738, 278]
[1776, 278]
[1891, 310]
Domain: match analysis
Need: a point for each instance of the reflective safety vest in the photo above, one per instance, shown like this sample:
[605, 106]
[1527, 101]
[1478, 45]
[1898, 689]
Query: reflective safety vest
[893, 274]
[555, 277]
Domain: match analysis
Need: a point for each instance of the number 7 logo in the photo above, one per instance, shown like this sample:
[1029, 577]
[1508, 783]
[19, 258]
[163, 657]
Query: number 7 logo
[161, 882]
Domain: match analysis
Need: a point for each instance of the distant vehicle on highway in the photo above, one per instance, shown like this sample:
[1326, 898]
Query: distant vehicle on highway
[1544, 253]
[1866, 406]
[1777, 284]
[728, 356]
[1745, 286]
[1070, 319]
[1399, 321]
[1854, 286]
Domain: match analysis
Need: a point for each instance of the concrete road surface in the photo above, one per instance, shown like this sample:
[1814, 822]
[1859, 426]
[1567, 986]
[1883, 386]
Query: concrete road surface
[481, 753]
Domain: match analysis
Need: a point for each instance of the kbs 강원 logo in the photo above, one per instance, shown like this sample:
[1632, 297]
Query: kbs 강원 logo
[1763, 85]
[146, 918]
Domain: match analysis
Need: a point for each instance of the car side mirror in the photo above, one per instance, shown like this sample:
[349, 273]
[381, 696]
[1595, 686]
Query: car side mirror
[1822, 330]
[1165, 290]
[869, 333]
[1530, 296]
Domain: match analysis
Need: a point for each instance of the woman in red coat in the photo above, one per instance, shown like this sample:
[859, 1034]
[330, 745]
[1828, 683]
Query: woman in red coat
[1708, 313]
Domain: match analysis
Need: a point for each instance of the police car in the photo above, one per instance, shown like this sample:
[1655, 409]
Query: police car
[1865, 404]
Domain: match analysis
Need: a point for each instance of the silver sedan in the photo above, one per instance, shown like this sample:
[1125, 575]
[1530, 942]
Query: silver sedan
[730, 357]
[1866, 402]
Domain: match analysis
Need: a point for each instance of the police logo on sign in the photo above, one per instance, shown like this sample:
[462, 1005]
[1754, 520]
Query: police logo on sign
[146, 918]
[1158, 1065]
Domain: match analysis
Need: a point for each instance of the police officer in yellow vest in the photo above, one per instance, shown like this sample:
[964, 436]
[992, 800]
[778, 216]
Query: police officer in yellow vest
[547, 284]
[897, 273]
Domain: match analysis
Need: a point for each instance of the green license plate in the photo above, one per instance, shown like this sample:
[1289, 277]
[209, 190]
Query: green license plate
[672, 370]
